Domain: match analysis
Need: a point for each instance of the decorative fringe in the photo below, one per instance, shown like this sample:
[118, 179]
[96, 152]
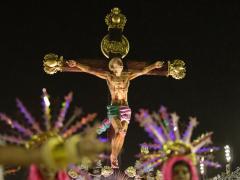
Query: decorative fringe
[46, 109]
[203, 140]
[188, 133]
[63, 111]
[175, 119]
[78, 125]
[28, 116]
[15, 125]
[77, 112]
[12, 139]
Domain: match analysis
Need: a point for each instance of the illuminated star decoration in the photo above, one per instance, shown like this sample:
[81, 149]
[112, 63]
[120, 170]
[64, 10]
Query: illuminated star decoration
[32, 135]
[163, 128]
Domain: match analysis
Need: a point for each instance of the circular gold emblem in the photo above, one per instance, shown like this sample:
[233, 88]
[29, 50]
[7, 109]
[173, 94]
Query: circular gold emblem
[115, 47]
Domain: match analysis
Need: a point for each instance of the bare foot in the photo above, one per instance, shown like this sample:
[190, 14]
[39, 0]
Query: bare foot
[114, 162]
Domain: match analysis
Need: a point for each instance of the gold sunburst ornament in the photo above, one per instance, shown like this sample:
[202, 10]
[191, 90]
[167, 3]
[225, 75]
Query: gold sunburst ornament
[55, 142]
[169, 142]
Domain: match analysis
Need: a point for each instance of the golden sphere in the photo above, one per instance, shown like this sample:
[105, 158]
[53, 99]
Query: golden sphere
[116, 10]
[116, 19]
[50, 60]
[51, 63]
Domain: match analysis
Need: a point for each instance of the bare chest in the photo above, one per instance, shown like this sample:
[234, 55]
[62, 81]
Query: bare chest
[121, 82]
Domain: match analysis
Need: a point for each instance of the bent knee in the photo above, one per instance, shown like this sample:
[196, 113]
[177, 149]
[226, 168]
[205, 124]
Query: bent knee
[122, 132]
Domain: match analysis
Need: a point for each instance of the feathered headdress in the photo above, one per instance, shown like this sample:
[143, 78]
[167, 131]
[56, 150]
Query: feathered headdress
[169, 142]
[31, 134]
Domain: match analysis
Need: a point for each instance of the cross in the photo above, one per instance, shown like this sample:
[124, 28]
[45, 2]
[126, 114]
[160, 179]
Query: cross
[53, 64]
[115, 47]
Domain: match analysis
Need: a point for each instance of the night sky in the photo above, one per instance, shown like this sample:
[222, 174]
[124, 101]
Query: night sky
[205, 34]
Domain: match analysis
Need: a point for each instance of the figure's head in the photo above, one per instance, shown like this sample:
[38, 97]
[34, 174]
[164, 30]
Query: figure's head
[181, 171]
[116, 66]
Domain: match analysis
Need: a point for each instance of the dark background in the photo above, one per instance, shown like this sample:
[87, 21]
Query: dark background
[203, 33]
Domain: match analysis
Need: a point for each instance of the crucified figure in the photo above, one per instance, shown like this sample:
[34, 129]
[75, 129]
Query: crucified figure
[119, 112]
[118, 81]
[115, 45]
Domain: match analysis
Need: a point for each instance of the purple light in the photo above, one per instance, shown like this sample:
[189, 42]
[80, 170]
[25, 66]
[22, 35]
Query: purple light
[63, 111]
[27, 115]
[22, 129]
[208, 149]
[212, 164]
[102, 139]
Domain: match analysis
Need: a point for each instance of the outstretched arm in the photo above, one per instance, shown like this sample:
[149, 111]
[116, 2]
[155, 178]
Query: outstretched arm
[147, 69]
[52, 63]
[87, 69]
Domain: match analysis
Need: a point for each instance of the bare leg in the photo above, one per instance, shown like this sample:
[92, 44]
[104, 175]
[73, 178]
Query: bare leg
[120, 129]
[120, 137]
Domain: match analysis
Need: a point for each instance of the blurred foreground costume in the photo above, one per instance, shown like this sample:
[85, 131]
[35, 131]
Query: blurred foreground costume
[172, 153]
[49, 150]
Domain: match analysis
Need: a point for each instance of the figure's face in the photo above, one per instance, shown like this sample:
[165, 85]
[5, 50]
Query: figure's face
[181, 172]
[117, 67]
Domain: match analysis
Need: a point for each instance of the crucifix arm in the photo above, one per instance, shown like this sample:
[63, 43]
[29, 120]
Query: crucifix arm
[147, 69]
[52, 64]
[87, 69]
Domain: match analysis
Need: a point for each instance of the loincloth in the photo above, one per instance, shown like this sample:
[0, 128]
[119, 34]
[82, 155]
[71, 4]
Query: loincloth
[123, 113]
